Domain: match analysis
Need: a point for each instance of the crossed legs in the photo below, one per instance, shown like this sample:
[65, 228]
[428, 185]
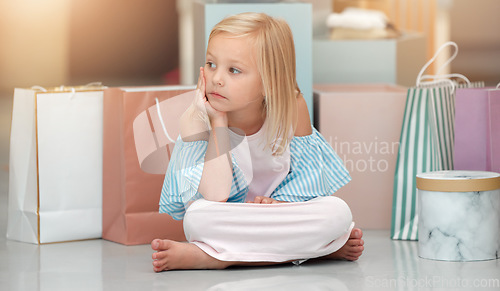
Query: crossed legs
[217, 240]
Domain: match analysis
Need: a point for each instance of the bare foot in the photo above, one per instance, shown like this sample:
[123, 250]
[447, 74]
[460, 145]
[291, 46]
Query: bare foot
[172, 255]
[352, 249]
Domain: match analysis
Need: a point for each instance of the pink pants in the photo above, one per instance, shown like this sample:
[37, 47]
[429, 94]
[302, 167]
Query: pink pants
[248, 232]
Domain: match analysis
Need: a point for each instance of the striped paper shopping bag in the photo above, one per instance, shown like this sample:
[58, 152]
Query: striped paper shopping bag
[426, 144]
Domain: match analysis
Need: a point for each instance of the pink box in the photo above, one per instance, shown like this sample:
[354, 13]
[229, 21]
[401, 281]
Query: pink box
[363, 125]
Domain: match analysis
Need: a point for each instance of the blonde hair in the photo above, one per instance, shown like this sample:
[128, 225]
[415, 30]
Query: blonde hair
[275, 50]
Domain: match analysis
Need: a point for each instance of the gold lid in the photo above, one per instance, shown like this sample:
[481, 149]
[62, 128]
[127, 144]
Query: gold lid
[458, 181]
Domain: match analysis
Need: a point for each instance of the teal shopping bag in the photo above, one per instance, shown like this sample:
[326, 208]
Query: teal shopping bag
[426, 142]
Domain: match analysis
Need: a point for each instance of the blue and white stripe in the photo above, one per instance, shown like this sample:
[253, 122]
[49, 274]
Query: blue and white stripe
[315, 170]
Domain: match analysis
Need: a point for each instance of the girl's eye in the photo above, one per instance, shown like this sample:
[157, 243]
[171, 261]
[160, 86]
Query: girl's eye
[210, 65]
[234, 71]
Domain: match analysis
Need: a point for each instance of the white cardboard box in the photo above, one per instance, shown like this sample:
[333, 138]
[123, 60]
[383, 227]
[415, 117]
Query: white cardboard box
[392, 61]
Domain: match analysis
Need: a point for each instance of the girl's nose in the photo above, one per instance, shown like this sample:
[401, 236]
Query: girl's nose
[217, 78]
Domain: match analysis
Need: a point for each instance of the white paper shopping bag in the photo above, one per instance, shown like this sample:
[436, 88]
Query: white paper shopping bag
[55, 168]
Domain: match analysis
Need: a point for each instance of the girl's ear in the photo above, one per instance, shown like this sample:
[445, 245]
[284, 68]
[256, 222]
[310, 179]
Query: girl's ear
[264, 98]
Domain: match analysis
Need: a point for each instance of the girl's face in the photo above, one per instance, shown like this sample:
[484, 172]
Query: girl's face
[233, 82]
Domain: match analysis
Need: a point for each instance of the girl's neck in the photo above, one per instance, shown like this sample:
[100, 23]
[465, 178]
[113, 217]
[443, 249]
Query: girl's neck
[249, 124]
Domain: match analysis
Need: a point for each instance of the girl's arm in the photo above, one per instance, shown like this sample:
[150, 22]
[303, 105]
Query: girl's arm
[303, 121]
[217, 176]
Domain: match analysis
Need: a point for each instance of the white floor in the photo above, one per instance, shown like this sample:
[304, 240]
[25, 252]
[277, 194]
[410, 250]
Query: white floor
[103, 265]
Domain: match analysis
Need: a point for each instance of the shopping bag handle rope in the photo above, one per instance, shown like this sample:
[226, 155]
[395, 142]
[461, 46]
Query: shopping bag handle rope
[439, 78]
[95, 84]
[452, 57]
[63, 88]
[161, 120]
[39, 88]
[438, 82]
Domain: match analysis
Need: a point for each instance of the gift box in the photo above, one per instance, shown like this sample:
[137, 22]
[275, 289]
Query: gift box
[459, 215]
[391, 61]
[363, 125]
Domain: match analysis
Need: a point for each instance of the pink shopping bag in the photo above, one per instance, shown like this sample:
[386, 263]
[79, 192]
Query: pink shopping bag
[137, 144]
[477, 129]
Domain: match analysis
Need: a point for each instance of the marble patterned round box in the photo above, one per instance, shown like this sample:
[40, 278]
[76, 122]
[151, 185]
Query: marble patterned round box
[459, 215]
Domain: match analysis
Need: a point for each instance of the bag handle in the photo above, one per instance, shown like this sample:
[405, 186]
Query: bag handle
[92, 84]
[449, 82]
[36, 87]
[95, 84]
[72, 89]
[61, 88]
[161, 121]
[498, 86]
[421, 75]
[445, 77]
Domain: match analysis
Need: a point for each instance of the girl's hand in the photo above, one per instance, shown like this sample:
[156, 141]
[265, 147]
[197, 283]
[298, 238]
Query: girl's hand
[265, 200]
[195, 121]
[203, 105]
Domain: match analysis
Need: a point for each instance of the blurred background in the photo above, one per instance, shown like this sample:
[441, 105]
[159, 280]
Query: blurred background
[137, 42]
[152, 42]
[56, 42]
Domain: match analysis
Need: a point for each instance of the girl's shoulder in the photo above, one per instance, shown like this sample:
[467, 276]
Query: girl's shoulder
[303, 121]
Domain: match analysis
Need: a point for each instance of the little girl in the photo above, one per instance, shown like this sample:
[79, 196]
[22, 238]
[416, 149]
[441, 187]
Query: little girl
[247, 137]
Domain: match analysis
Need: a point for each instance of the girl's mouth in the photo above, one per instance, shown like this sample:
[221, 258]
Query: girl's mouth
[217, 95]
